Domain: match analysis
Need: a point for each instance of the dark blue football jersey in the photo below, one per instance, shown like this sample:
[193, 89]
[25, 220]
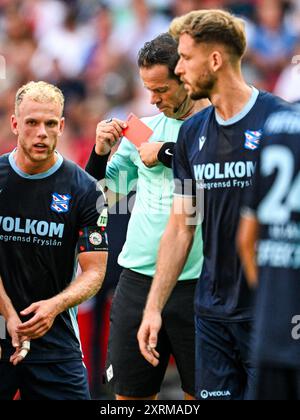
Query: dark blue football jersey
[275, 201]
[220, 157]
[42, 218]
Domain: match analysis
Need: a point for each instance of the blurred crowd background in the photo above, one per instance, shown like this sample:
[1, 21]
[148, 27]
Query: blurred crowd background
[89, 48]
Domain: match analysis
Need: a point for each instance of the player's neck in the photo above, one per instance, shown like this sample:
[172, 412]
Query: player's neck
[199, 105]
[29, 167]
[230, 96]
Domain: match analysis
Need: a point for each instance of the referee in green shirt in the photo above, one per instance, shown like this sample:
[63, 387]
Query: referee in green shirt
[148, 169]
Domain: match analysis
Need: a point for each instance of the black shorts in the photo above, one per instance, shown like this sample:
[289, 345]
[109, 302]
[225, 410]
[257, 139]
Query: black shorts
[224, 368]
[275, 383]
[44, 381]
[128, 373]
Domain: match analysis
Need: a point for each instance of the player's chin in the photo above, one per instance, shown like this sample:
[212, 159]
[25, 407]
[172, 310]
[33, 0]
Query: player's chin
[40, 156]
[196, 95]
[187, 87]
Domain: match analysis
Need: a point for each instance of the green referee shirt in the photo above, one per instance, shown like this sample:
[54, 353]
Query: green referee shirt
[154, 197]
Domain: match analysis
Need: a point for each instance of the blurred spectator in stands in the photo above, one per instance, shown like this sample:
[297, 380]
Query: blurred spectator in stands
[104, 54]
[143, 25]
[45, 15]
[67, 45]
[272, 44]
[180, 7]
[245, 8]
[288, 84]
[293, 16]
[17, 44]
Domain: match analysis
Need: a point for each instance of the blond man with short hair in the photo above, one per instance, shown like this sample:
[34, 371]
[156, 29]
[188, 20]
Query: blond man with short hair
[49, 222]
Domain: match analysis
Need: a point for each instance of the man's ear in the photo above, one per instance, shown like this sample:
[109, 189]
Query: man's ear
[14, 125]
[61, 126]
[216, 61]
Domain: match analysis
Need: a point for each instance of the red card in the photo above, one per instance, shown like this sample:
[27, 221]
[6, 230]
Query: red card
[137, 132]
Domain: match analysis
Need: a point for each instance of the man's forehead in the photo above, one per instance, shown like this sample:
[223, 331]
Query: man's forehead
[32, 107]
[187, 45]
[155, 74]
[155, 83]
[186, 42]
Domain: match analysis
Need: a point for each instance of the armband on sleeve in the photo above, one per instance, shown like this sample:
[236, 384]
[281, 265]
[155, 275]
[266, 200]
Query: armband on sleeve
[92, 238]
[165, 155]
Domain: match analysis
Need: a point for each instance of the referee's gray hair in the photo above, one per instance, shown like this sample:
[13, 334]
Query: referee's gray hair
[39, 92]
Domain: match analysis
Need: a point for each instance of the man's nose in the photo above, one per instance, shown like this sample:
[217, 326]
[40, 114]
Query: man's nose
[155, 99]
[179, 69]
[42, 132]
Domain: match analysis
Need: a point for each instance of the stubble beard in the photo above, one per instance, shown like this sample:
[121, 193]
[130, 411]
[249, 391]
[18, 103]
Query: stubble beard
[203, 90]
[38, 157]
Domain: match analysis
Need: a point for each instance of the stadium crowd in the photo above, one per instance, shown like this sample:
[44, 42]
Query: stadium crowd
[88, 48]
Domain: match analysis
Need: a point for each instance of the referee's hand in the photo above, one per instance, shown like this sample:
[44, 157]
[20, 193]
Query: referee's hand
[108, 133]
[147, 336]
[148, 153]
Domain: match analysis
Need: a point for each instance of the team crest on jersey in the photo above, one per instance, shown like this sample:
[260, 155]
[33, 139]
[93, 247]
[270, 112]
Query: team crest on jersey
[60, 203]
[252, 141]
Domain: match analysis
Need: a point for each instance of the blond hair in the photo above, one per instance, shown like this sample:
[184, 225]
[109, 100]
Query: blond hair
[178, 23]
[212, 26]
[39, 92]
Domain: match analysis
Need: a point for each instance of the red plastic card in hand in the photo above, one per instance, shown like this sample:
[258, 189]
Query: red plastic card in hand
[136, 131]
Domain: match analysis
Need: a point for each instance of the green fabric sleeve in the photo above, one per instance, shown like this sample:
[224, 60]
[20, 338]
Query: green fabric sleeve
[121, 171]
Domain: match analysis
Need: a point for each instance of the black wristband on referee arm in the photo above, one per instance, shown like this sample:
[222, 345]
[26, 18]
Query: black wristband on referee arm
[96, 165]
[165, 155]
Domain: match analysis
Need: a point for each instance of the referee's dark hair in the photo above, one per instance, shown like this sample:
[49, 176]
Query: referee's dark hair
[161, 50]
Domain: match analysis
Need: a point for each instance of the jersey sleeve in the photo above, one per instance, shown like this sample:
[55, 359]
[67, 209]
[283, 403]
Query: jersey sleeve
[252, 195]
[121, 171]
[183, 178]
[92, 220]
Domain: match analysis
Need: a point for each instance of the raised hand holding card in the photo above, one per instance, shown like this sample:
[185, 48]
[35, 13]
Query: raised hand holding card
[137, 132]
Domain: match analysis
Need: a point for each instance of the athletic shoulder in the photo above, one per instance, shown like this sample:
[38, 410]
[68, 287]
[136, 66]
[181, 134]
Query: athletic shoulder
[197, 119]
[72, 167]
[272, 101]
[285, 120]
[4, 158]
[4, 162]
[80, 179]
